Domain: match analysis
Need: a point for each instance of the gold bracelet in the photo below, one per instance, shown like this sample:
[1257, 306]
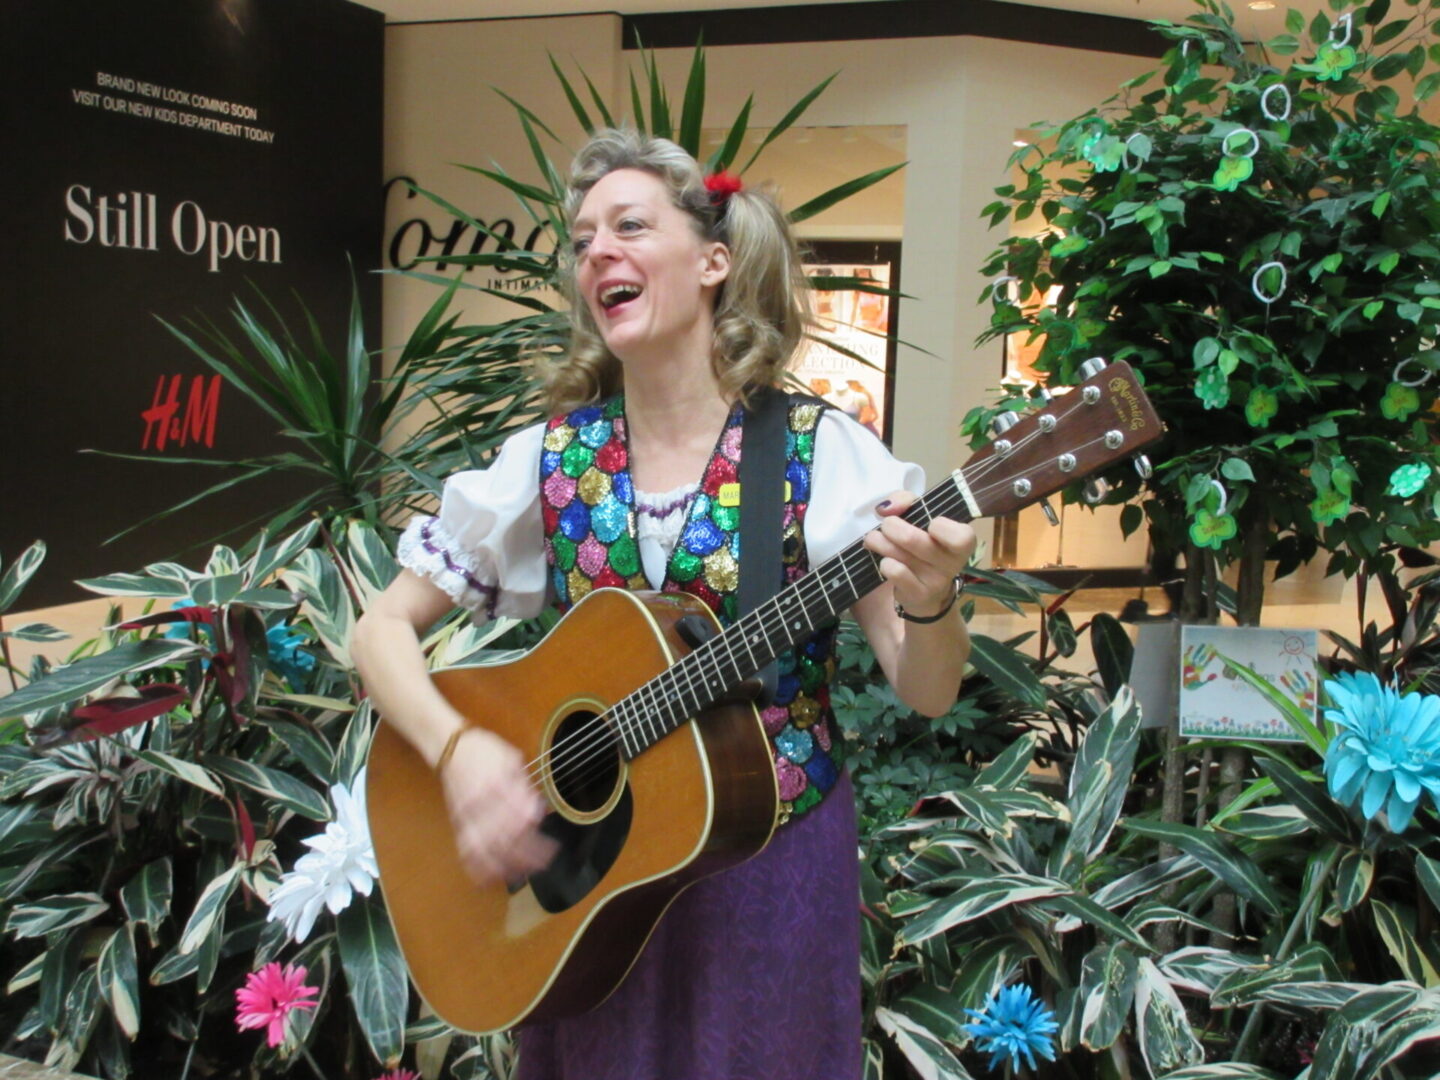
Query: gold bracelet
[449, 751]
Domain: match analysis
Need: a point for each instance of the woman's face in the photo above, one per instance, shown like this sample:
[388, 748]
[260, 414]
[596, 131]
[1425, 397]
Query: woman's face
[643, 270]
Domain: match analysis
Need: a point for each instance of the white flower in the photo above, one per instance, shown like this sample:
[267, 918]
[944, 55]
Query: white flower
[341, 862]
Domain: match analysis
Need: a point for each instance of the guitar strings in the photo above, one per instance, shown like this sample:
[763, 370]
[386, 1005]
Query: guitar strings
[605, 733]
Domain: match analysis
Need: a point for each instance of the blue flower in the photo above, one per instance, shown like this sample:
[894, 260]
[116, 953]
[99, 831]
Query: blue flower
[1385, 752]
[285, 655]
[1013, 1022]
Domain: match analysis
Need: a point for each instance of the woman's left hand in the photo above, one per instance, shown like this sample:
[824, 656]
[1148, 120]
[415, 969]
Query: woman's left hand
[920, 564]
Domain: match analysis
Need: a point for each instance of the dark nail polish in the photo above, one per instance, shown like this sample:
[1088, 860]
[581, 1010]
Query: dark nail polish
[883, 505]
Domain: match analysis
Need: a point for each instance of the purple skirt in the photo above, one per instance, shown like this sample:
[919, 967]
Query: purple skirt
[753, 972]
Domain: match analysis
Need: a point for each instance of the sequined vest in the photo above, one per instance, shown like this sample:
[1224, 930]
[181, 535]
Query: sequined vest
[588, 506]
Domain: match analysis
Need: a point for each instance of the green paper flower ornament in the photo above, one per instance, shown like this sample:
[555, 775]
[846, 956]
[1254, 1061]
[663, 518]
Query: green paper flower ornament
[1333, 61]
[1232, 172]
[1213, 388]
[1329, 507]
[1407, 480]
[1399, 401]
[1261, 407]
[1212, 530]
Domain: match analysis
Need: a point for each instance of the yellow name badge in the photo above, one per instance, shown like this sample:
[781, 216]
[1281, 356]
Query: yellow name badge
[730, 494]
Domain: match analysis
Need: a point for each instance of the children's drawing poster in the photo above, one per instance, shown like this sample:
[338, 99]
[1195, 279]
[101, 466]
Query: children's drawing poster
[1217, 703]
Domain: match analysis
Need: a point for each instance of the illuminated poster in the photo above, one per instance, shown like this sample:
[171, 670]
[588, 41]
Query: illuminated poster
[165, 157]
[851, 362]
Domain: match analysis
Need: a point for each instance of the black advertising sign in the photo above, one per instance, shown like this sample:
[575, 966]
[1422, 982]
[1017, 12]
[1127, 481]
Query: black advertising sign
[165, 157]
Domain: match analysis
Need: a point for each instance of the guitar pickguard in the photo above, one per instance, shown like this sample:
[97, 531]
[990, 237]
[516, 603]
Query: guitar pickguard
[586, 852]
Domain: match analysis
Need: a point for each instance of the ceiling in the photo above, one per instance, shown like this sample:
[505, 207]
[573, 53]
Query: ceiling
[1260, 24]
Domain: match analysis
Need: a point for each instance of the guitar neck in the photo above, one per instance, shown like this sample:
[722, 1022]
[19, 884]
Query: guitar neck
[1103, 419]
[704, 676]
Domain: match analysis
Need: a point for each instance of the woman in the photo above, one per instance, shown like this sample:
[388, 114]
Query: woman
[687, 294]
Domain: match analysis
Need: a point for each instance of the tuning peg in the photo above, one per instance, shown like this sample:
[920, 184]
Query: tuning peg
[1004, 421]
[1095, 490]
[1049, 510]
[1044, 394]
[1143, 467]
[1092, 367]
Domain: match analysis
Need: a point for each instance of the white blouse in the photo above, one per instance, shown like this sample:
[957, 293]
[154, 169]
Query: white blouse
[486, 547]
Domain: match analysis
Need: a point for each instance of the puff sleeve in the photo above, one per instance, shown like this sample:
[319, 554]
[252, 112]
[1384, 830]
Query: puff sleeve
[485, 548]
[853, 471]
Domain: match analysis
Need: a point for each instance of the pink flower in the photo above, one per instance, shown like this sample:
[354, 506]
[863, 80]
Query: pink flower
[399, 1074]
[269, 996]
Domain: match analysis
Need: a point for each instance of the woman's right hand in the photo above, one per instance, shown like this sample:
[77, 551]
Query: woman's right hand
[495, 810]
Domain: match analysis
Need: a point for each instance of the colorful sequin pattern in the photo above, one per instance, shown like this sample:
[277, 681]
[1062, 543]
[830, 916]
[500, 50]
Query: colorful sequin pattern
[588, 508]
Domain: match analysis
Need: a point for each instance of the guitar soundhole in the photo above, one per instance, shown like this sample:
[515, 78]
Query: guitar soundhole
[585, 769]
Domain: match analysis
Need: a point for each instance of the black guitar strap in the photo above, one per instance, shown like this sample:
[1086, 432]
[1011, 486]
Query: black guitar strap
[762, 506]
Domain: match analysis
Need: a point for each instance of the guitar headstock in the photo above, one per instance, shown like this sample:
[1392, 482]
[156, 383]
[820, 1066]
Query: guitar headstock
[1105, 418]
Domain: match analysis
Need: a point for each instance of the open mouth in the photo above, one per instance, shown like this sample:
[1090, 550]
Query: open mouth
[612, 296]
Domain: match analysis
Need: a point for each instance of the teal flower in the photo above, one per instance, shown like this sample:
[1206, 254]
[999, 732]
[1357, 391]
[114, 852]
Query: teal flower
[286, 657]
[1407, 480]
[1385, 753]
[1013, 1022]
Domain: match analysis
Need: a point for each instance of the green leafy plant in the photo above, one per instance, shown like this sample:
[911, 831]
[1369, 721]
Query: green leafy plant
[1258, 240]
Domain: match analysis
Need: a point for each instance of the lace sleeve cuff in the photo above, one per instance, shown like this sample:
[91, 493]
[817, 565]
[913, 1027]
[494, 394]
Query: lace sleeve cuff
[428, 550]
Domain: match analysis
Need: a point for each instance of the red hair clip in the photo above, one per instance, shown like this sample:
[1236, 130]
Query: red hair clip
[721, 186]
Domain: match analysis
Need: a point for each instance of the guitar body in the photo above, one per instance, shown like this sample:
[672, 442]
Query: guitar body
[633, 834]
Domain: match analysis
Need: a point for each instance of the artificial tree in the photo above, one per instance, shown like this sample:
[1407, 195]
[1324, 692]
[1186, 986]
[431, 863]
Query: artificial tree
[1257, 240]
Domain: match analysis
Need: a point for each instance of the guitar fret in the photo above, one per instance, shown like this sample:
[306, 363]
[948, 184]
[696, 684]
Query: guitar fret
[623, 726]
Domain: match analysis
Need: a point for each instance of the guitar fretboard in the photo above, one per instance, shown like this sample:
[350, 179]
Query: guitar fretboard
[738, 653]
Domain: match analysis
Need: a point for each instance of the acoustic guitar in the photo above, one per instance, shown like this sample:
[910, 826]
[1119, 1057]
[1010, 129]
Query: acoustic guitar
[640, 816]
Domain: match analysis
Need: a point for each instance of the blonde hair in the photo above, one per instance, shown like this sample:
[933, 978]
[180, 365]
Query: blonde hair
[761, 309]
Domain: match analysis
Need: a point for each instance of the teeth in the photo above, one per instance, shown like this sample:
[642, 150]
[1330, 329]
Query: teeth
[616, 294]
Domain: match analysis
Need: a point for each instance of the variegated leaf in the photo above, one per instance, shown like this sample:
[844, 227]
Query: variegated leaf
[1011, 766]
[923, 1049]
[74, 681]
[1312, 995]
[935, 1009]
[978, 897]
[1149, 878]
[1223, 1071]
[1107, 989]
[54, 913]
[1348, 1046]
[146, 896]
[1166, 1038]
[28, 975]
[354, 745]
[119, 979]
[134, 585]
[1427, 870]
[266, 561]
[375, 972]
[273, 784]
[205, 919]
[37, 632]
[1217, 855]
[1352, 879]
[1200, 969]
[1267, 823]
[327, 605]
[1311, 963]
[370, 559]
[182, 770]
[1007, 669]
[1403, 947]
[19, 573]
